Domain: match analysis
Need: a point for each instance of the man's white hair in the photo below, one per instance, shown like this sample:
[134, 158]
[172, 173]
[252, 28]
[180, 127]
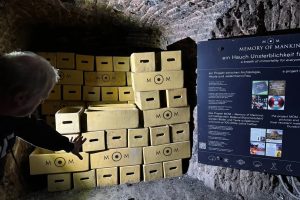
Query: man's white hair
[25, 72]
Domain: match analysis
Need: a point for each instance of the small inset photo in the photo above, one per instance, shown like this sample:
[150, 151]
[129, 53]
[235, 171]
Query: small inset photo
[274, 136]
[274, 150]
[258, 148]
[258, 135]
[259, 102]
[260, 87]
[277, 88]
[276, 102]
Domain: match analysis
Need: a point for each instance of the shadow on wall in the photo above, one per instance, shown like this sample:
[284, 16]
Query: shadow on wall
[189, 65]
[36, 25]
[112, 40]
[93, 29]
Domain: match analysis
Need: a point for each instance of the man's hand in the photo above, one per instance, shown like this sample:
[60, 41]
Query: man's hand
[78, 141]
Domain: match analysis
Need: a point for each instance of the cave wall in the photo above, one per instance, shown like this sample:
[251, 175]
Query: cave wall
[139, 24]
[247, 17]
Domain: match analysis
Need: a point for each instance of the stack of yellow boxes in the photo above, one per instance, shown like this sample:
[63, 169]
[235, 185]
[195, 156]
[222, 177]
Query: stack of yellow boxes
[61, 165]
[124, 145]
[68, 91]
[87, 79]
[168, 126]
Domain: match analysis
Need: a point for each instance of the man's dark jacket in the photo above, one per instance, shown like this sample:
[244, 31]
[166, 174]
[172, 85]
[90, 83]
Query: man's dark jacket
[36, 132]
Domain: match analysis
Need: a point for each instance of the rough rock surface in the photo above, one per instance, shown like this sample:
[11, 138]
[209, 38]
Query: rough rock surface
[181, 188]
[151, 23]
[247, 17]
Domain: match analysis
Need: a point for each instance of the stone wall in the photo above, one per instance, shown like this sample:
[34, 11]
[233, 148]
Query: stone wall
[12, 32]
[151, 23]
[82, 25]
[247, 18]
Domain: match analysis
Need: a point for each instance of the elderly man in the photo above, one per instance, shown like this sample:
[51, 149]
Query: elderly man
[27, 79]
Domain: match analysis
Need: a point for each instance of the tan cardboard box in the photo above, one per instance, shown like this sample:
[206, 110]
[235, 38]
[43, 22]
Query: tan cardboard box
[84, 180]
[91, 104]
[153, 172]
[147, 100]
[70, 77]
[121, 64]
[107, 176]
[159, 135]
[112, 105]
[128, 78]
[65, 60]
[109, 94]
[105, 78]
[138, 137]
[130, 174]
[95, 141]
[116, 138]
[172, 168]
[67, 120]
[170, 60]
[180, 132]
[109, 118]
[59, 182]
[142, 62]
[85, 62]
[104, 63]
[49, 56]
[163, 80]
[116, 158]
[43, 161]
[91, 93]
[51, 107]
[165, 116]
[55, 93]
[125, 94]
[176, 98]
[50, 119]
[166, 152]
[72, 92]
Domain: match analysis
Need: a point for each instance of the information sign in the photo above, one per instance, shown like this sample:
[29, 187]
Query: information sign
[248, 101]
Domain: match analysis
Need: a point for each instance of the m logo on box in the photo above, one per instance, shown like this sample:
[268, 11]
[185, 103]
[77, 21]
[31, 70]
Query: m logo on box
[106, 78]
[117, 156]
[159, 79]
[59, 162]
[167, 151]
[167, 115]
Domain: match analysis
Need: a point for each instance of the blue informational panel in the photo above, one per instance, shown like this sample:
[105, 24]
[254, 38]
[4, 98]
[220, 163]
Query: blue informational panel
[248, 101]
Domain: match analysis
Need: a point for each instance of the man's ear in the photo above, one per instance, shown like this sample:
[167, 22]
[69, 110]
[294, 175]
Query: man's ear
[20, 98]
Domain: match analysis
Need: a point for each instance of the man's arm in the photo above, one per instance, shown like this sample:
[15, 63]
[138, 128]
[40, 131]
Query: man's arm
[41, 134]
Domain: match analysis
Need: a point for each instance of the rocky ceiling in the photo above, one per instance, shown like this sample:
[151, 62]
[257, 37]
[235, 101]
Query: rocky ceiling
[147, 23]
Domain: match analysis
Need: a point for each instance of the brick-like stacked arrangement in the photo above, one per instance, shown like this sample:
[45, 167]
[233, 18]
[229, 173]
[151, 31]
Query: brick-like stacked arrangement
[159, 94]
[86, 80]
[124, 144]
